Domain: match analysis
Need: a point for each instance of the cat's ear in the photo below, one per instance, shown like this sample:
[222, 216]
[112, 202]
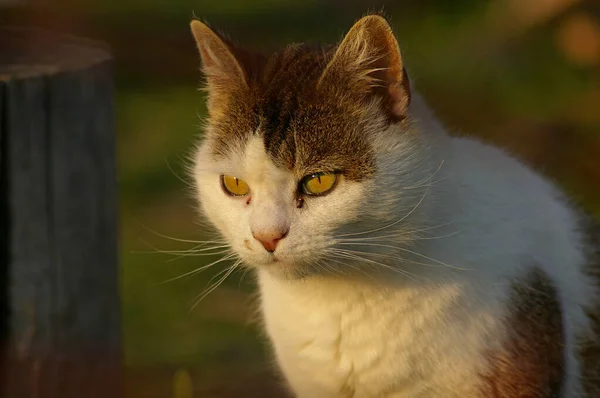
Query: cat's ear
[367, 62]
[224, 73]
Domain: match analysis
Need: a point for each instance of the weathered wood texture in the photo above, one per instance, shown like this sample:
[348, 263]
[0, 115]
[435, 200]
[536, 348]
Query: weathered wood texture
[59, 277]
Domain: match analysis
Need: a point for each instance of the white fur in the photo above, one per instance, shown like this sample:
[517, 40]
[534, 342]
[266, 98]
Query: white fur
[452, 223]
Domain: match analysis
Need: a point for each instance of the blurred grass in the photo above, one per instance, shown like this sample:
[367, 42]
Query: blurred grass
[157, 127]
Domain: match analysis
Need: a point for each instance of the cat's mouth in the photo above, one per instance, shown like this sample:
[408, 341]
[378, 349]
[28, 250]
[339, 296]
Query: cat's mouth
[272, 257]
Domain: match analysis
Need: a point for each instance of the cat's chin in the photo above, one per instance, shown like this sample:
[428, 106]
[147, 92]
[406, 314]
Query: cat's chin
[282, 268]
[291, 273]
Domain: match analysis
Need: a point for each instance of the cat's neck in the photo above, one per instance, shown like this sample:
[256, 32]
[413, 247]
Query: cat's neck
[316, 291]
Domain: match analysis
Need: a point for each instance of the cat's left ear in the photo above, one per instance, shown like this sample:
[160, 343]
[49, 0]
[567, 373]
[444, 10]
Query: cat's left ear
[368, 62]
[223, 71]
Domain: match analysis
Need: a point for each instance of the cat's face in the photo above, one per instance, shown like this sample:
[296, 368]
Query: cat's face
[302, 157]
[275, 224]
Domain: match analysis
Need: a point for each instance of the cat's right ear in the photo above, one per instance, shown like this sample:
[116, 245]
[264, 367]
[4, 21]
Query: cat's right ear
[368, 62]
[224, 74]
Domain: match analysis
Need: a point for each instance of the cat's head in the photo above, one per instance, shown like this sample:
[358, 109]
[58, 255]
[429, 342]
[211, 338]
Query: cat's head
[310, 158]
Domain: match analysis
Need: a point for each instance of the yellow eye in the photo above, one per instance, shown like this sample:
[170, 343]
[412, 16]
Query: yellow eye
[234, 186]
[319, 183]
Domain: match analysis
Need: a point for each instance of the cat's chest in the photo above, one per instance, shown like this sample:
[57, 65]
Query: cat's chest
[350, 341]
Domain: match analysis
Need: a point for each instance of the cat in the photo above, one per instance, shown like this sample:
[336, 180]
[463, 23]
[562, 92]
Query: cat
[393, 259]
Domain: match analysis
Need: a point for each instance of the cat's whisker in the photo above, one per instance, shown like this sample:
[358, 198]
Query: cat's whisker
[386, 266]
[389, 238]
[220, 273]
[193, 251]
[200, 269]
[330, 257]
[423, 183]
[393, 257]
[246, 270]
[402, 272]
[427, 181]
[333, 269]
[193, 254]
[326, 268]
[401, 233]
[410, 252]
[187, 183]
[206, 249]
[418, 238]
[212, 288]
[392, 224]
[396, 258]
[200, 242]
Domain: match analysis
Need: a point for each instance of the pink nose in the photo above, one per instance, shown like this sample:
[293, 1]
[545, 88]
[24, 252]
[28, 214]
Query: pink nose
[269, 239]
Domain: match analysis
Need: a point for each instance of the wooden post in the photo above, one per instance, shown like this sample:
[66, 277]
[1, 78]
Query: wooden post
[59, 291]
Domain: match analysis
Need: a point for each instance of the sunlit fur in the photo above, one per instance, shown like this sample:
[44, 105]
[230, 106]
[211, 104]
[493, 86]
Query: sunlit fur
[398, 285]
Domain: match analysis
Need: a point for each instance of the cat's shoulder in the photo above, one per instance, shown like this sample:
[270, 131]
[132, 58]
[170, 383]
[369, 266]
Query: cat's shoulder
[481, 168]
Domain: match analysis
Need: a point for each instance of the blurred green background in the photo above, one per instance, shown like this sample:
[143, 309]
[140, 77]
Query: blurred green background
[523, 74]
